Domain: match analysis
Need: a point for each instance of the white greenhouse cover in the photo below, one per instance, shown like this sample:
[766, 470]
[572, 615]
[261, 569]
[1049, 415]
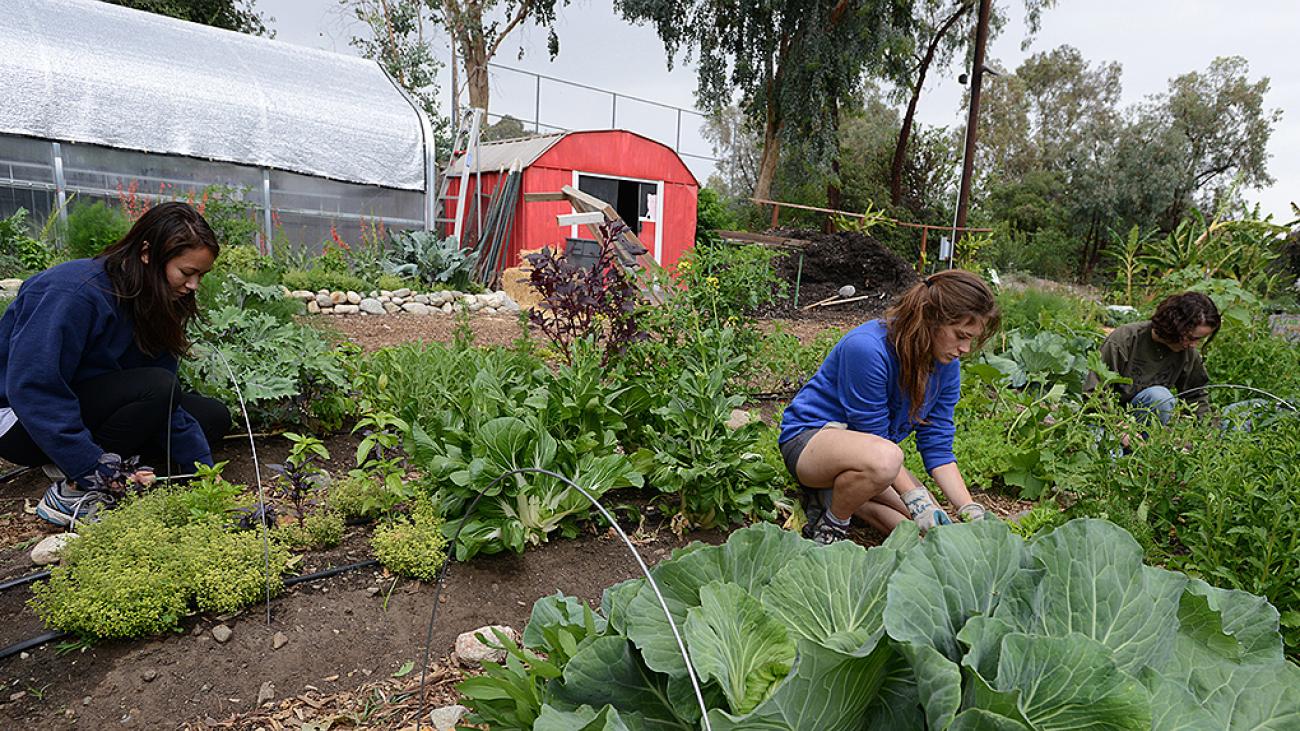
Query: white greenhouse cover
[86, 71]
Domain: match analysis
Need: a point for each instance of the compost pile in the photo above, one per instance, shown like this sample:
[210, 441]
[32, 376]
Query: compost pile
[833, 260]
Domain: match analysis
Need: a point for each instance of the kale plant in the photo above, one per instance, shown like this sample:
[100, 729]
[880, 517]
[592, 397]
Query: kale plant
[435, 262]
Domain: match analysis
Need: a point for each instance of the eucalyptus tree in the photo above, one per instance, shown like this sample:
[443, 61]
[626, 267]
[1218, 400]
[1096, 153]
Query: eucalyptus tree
[788, 64]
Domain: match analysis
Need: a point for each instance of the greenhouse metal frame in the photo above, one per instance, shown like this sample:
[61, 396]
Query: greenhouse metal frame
[104, 102]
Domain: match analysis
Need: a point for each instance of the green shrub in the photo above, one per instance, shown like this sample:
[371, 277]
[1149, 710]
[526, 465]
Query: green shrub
[240, 259]
[20, 254]
[360, 498]
[1252, 356]
[712, 214]
[430, 260]
[412, 546]
[321, 529]
[92, 228]
[724, 281]
[318, 279]
[132, 574]
[232, 218]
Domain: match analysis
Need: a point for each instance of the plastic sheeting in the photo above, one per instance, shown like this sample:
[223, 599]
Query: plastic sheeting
[86, 71]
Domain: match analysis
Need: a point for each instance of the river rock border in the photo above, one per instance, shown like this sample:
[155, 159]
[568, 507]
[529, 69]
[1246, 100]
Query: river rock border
[404, 301]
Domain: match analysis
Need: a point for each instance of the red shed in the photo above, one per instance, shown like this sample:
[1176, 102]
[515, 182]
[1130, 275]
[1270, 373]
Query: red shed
[645, 181]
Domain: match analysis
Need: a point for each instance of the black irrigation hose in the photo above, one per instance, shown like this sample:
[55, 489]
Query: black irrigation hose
[24, 580]
[11, 474]
[41, 639]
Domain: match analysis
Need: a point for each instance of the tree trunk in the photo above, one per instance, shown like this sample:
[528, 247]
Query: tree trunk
[767, 162]
[476, 73]
[834, 193]
[905, 132]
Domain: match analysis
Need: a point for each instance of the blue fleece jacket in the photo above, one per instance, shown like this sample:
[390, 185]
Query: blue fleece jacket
[858, 385]
[66, 327]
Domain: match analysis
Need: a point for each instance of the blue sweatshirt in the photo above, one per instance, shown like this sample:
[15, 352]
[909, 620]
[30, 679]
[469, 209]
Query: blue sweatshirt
[858, 385]
[66, 327]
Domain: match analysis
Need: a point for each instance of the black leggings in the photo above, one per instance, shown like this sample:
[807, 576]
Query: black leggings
[115, 406]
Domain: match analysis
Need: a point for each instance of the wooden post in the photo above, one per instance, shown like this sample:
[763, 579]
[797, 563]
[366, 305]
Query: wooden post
[776, 212]
[921, 262]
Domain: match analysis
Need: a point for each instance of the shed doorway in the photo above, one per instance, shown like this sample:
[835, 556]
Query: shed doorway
[632, 199]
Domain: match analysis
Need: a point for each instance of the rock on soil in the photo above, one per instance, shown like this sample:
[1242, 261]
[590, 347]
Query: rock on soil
[279, 640]
[47, 551]
[222, 633]
[834, 261]
[471, 652]
[446, 718]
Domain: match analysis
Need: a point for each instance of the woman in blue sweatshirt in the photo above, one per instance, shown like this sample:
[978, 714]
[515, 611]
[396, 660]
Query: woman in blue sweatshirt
[884, 380]
[88, 356]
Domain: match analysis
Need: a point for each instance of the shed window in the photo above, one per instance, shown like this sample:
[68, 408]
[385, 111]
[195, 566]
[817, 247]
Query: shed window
[633, 199]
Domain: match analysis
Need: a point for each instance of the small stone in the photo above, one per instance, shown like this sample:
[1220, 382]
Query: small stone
[488, 311]
[339, 298]
[302, 294]
[372, 306]
[10, 285]
[385, 293]
[17, 696]
[508, 304]
[221, 633]
[446, 308]
[422, 299]
[471, 652]
[149, 675]
[847, 290]
[390, 308]
[278, 640]
[738, 418]
[346, 309]
[373, 591]
[47, 551]
[266, 692]
[403, 292]
[374, 294]
[86, 700]
[474, 306]
[323, 300]
[446, 718]
[313, 308]
[354, 298]
[415, 308]
[24, 655]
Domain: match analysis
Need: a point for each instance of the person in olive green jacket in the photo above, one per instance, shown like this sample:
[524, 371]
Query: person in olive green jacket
[1160, 356]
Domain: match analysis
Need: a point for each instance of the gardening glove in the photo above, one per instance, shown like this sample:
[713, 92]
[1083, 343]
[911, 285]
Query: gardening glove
[926, 514]
[971, 512]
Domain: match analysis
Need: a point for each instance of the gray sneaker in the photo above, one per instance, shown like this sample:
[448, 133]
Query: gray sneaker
[827, 532]
[65, 505]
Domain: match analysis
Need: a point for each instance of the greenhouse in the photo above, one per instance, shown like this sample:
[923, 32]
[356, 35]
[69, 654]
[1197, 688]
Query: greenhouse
[103, 103]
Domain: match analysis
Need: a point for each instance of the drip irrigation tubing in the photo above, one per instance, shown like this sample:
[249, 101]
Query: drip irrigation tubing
[442, 573]
[21, 580]
[12, 474]
[43, 638]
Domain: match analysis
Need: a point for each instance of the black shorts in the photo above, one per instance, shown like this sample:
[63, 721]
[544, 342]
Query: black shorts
[794, 446]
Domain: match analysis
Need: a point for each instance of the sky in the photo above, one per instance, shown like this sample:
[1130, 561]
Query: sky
[1154, 41]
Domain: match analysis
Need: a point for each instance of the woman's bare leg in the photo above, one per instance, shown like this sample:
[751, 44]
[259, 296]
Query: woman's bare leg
[856, 466]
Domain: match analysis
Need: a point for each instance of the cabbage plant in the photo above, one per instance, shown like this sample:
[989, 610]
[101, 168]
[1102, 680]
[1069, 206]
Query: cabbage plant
[972, 628]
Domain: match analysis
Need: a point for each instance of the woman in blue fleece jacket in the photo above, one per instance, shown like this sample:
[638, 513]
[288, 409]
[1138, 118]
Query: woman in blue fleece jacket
[88, 356]
[884, 380]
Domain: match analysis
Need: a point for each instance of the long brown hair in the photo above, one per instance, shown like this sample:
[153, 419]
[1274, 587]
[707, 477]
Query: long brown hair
[164, 232]
[944, 298]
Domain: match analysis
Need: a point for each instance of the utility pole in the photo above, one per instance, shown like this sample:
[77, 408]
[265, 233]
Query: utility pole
[972, 119]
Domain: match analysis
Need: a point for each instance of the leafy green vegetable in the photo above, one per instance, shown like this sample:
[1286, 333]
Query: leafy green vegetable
[971, 628]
